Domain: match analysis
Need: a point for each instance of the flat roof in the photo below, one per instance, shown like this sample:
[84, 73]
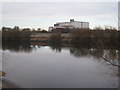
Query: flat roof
[70, 22]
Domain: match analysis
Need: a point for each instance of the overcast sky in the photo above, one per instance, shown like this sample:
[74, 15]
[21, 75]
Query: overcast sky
[45, 14]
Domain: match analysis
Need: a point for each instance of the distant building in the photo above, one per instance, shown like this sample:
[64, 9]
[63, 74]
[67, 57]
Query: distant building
[72, 24]
[50, 28]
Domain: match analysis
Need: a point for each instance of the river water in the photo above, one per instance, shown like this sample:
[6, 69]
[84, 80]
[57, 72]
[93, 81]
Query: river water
[65, 67]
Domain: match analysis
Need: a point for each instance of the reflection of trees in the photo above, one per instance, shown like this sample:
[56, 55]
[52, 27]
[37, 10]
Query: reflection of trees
[110, 55]
[79, 51]
[100, 51]
[17, 47]
[97, 53]
[56, 46]
[85, 52]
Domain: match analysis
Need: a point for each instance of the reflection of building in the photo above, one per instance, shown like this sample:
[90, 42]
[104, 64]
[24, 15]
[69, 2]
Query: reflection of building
[71, 25]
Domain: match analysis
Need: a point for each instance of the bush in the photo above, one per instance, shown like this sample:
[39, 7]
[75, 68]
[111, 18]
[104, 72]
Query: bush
[55, 38]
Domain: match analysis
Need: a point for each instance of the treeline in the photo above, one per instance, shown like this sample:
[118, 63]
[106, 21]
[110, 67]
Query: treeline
[97, 34]
[15, 34]
[112, 36]
[18, 35]
[85, 37]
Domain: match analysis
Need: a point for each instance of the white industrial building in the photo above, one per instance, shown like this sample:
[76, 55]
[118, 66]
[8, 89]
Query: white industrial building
[72, 24]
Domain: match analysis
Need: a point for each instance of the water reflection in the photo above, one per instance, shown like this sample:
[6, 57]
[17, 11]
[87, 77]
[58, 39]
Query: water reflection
[57, 47]
[110, 55]
[46, 68]
[17, 47]
[98, 52]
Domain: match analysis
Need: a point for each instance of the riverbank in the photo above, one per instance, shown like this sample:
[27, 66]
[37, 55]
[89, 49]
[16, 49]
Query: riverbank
[78, 36]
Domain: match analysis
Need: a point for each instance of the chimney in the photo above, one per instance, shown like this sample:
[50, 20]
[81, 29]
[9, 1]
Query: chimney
[71, 20]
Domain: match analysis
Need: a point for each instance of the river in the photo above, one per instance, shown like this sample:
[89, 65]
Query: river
[62, 67]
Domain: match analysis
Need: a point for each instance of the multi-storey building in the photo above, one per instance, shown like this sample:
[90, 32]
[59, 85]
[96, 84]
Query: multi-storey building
[72, 24]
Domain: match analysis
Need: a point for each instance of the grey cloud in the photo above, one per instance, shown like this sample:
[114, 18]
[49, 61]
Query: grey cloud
[51, 9]
[21, 12]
